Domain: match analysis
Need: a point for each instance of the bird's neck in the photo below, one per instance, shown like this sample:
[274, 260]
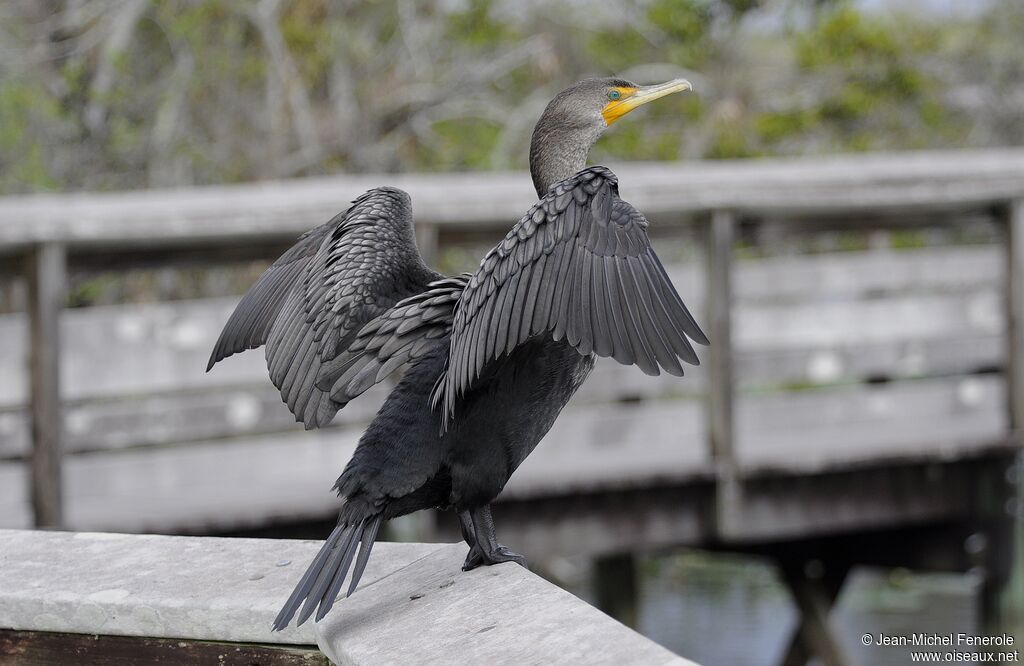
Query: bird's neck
[558, 152]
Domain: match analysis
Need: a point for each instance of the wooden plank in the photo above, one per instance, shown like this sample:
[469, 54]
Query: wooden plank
[924, 181]
[16, 511]
[163, 347]
[813, 431]
[228, 590]
[500, 614]
[47, 284]
[918, 316]
[175, 418]
[231, 409]
[198, 588]
[596, 448]
[882, 497]
[249, 481]
[871, 273]
[849, 362]
[246, 481]
[41, 648]
[848, 276]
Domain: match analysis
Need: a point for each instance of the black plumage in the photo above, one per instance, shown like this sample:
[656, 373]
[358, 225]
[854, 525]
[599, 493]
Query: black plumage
[492, 357]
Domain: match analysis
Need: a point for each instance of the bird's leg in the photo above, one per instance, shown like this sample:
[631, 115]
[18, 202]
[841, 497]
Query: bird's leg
[486, 549]
[466, 524]
[473, 558]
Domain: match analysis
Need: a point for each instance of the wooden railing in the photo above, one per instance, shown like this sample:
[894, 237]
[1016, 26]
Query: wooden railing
[113, 598]
[41, 236]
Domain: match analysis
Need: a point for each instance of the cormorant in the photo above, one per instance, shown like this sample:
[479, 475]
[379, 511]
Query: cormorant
[492, 357]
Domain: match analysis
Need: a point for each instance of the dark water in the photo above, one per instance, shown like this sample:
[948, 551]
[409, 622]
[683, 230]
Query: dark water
[732, 611]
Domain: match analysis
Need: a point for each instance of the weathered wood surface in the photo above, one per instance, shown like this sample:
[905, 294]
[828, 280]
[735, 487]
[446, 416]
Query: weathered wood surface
[1015, 307]
[774, 509]
[247, 481]
[43, 648]
[47, 288]
[721, 389]
[157, 444]
[162, 587]
[796, 319]
[414, 605]
[491, 615]
[932, 180]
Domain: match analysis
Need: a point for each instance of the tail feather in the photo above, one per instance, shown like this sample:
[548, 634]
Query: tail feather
[320, 585]
[369, 537]
[298, 595]
[338, 555]
[331, 593]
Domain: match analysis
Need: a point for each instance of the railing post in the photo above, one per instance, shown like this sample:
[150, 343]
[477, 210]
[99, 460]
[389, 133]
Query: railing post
[1015, 312]
[427, 239]
[721, 236]
[47, 284]
[1011, 600]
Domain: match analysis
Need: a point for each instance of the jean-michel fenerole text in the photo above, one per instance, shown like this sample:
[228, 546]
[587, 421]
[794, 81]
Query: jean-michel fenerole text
[954, 640]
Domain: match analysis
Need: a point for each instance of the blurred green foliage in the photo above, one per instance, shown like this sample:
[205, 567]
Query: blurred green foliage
[180, 92]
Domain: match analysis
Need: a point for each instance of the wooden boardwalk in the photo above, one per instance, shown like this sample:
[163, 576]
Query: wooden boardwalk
[136, 397]
[847, 393]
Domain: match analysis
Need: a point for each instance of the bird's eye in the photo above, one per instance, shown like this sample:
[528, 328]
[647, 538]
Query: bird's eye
[614, 95]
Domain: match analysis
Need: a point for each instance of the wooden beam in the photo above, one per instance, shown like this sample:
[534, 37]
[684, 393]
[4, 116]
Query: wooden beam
[415, 604]
[47, 280]
[721, 237]
[502, 614]
[1014, 219]
[1008, 603]
[847, 185]
[38, 648]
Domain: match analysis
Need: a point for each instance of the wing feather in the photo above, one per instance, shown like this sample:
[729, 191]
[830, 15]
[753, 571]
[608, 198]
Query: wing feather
[403, 335]
[578, 266]
[623, 353]
[309, 306]
[599, 315]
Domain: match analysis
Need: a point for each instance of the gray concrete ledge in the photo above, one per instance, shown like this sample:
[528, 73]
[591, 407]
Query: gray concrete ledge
[415, 604]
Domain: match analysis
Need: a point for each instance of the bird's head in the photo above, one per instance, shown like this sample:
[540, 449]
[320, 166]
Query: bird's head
[578, 116]
[600, 102]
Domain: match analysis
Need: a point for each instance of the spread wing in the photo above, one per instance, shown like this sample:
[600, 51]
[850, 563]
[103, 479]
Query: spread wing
[309, 306]
[400, 336]
[578, 266]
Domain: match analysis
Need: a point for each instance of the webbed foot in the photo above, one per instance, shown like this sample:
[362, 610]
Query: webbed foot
[478, 531]
[477, 557]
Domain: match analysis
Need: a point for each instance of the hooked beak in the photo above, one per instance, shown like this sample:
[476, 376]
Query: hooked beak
[635, 97]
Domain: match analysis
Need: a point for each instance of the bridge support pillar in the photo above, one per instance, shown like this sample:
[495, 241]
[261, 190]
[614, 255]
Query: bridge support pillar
[616, 587]
[814, 592]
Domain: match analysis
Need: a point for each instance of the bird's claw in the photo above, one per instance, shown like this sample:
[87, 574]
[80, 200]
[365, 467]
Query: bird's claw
[478, 557]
